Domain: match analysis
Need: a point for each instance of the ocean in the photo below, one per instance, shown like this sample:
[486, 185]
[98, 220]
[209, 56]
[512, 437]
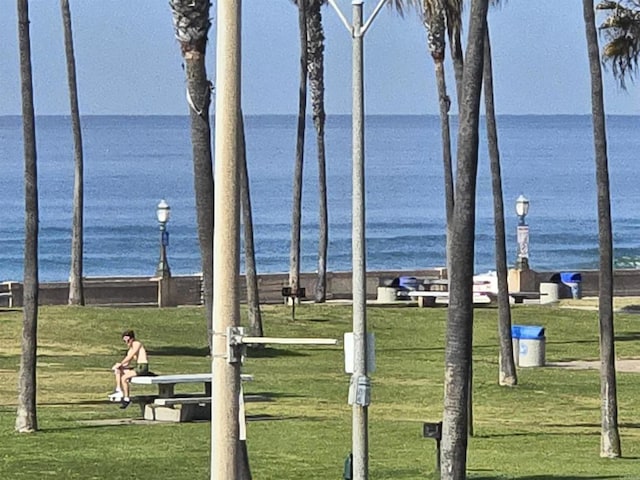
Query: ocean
[132, 162]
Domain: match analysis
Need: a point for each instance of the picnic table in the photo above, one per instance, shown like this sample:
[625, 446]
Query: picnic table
[171, 406]
[427, 298]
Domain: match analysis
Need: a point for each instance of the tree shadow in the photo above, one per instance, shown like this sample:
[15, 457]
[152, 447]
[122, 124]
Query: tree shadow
[269, 396]
[545, 477]
[630, 309]
[628, 337]
[590, 425]
[179, 351]
[270, 352]
[76, 402]
[569, 342]
[127, 422]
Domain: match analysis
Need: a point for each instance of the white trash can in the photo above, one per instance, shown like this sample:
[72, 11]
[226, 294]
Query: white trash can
[386, 294]
[548, 293]
[532, 345]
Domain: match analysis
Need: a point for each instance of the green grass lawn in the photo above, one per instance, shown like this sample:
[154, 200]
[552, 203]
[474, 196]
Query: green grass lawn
[545, 428]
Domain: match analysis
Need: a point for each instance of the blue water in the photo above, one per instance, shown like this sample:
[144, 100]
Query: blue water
[133, 162]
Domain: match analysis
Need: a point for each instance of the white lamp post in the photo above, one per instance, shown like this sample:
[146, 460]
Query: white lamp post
[163, 212]
[522, 209]
[360, 385]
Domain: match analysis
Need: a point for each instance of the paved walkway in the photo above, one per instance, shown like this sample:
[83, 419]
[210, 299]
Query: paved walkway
[627, 365]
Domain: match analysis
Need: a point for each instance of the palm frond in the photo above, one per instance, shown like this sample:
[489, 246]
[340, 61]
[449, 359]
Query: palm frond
[621, 30]
[400, 5]
[191, 23]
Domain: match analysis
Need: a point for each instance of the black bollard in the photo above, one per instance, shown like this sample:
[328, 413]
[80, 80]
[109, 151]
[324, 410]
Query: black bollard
[434, 430]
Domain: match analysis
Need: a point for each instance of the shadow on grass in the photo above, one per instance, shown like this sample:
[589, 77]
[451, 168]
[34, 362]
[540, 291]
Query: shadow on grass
[569, 342]
[546, 476]
[127, 422]
[177, 351]
[78, 402]
[249, 397]
[628, 337]
[269, 352]
[269, 396]
[590, 425]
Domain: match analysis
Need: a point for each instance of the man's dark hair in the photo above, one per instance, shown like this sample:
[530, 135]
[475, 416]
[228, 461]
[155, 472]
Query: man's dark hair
[129, 333]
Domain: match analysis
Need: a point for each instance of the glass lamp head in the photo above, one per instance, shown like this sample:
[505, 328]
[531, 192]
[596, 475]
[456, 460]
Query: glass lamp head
[522, 206]
[163, 211]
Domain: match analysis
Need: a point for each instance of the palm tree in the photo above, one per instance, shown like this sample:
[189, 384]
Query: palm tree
[253, 300]
[76, 288]
[507, 369]
[609, 435]
[622, 31]
[458, 340]
[315, 70]
[453, 13]
[191, 23]
[26, 418]
[296, 208]
[434, 17]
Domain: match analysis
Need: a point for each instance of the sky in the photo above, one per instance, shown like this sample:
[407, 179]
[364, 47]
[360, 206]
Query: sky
[129, 62]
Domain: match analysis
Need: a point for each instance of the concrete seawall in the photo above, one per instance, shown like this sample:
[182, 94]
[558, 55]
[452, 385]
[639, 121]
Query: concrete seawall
[187, 290]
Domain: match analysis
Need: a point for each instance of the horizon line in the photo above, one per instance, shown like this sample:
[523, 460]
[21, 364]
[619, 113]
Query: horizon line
[453, 115]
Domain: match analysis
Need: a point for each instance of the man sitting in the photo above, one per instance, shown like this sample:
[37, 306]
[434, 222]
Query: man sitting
[123, 371]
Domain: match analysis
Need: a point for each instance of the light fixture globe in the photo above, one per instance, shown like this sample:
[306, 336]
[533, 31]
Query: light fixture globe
[163, 211]
[522, 206]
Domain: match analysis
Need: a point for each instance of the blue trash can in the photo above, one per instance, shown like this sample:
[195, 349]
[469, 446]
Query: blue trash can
[574, 281]
[531, 345]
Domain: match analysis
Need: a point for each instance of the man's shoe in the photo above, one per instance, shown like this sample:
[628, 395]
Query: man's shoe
[124, 403]
[115, 396]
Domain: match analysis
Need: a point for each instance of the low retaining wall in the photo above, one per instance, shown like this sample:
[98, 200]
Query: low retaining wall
[187, 290]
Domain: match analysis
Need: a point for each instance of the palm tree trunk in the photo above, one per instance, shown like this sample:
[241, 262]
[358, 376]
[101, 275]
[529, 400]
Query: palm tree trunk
[251, 277]
[458, 63]
[609, 436]
[76, 287]
[459, 333]
[26, 418]
[296, 209]
[191, 22]
[507, 369]
[445, 133]
[199, 90]
[315, 69]
[453, 13]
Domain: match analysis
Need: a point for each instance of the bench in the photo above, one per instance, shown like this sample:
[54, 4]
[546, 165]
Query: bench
[170, 402]
[427, 298]
[520, 297]
[162, 406]
[8, 295]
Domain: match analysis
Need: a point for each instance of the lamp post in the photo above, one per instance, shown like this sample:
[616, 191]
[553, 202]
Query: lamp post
[360, 385]
[163, 212]
[522, 208]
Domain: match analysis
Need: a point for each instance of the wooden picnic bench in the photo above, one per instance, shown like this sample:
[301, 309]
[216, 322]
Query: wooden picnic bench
[162, 406]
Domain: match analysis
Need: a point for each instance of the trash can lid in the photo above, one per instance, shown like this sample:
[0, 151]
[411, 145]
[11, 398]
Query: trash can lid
[527, 331]
[570, 277]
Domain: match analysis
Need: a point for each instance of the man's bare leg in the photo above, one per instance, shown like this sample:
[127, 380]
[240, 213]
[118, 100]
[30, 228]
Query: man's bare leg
[129, 374]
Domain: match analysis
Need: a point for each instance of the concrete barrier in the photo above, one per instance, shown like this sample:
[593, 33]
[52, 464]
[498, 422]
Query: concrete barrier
[187, 289]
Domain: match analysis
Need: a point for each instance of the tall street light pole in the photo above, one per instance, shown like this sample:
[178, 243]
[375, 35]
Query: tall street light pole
[225, 428]
[360, 385]
[360, 434]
